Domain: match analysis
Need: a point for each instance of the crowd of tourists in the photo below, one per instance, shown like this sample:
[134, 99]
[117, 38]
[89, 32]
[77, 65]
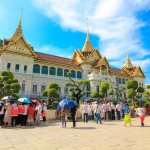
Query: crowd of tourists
[107, 111]
[22, 114]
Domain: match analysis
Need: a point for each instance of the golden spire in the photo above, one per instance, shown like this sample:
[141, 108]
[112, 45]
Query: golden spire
[128, 63]
[87, 45]
[18, 31]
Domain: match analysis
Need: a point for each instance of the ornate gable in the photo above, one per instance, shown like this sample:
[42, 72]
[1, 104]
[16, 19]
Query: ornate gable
[20, 46]
[17, 44]
[101, 62]
[137, 72]
[77, 56]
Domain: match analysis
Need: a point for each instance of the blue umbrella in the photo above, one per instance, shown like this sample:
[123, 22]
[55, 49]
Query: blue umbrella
[7, 98]
[66, 103]
[141, 100]
[24, 100]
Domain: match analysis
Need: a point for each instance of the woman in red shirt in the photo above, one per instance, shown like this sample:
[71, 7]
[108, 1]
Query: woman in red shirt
[30, 113]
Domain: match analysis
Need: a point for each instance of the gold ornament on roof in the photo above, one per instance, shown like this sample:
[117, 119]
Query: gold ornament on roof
[18, 31]
[128, 63]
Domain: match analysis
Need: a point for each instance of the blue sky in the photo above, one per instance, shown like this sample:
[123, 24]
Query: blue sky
[59, 27]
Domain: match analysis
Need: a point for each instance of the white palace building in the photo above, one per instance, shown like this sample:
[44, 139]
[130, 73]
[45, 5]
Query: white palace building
[35, 70]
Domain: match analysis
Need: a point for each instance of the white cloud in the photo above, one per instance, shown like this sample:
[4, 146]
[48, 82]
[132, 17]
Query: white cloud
[143, 63]
[115, 22]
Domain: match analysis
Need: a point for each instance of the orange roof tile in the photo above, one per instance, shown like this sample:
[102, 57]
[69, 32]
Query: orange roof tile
[119, 73]
[57, 59]
[136, 70]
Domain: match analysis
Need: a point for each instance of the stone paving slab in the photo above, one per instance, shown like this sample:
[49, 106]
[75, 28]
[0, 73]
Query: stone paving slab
[87, 136]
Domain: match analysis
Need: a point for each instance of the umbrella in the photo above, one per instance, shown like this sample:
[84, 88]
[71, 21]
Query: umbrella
[7, 98]
[34, 101]
[141, 100]
[66, 103]
[24, 100]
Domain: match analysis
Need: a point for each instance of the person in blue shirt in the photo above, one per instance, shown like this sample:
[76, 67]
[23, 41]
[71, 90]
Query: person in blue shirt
[127, 117]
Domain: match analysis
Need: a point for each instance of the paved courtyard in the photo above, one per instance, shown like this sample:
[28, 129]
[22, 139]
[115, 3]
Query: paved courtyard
[87, 136]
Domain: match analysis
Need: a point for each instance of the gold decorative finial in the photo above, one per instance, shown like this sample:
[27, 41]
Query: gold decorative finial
[128, 63]
[87, 45]
[88, 35]
[18, 31]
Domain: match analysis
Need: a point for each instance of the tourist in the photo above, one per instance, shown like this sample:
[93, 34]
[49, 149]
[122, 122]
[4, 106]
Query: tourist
[44, 108]
[7, 116]
[14, 115]
[90, 111]
[63, 115]
[38, 110]
[105, 111]
[109, 111]
[97, 112]
[30, 113]
[73, 114]
[85, 111]
[132, 111]
[141, 113]
[112, 111]
[127, 117]
[118, 111]
[21, 110]
[1, 114]
[25, 116]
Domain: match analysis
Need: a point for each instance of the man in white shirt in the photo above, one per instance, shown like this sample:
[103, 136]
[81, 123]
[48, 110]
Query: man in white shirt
[85, 111]
[97, 112]
[105, 110]
[118, 110]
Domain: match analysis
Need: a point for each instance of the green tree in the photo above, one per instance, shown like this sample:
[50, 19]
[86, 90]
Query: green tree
[147, 95]
[140, 90]
[132, 86]
[131, 93]
[9, 86]
[148, 86]
[95, 95]
[104, 87]
[53, 85]
[52, 92]
[77, 88]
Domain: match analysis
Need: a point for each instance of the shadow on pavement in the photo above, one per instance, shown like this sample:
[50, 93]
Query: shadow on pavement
[85, 128]
[31, 127]
[140, 126]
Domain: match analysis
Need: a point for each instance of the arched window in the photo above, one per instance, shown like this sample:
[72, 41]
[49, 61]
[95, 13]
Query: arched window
[44, 70]
[79, 75]
[59, 72]
[73, 74]
[36, 68]
[52, 71]
[65, 72]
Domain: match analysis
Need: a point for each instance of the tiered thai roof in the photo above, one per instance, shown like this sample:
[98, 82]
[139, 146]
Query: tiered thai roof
[57, 59]
[119, 73]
